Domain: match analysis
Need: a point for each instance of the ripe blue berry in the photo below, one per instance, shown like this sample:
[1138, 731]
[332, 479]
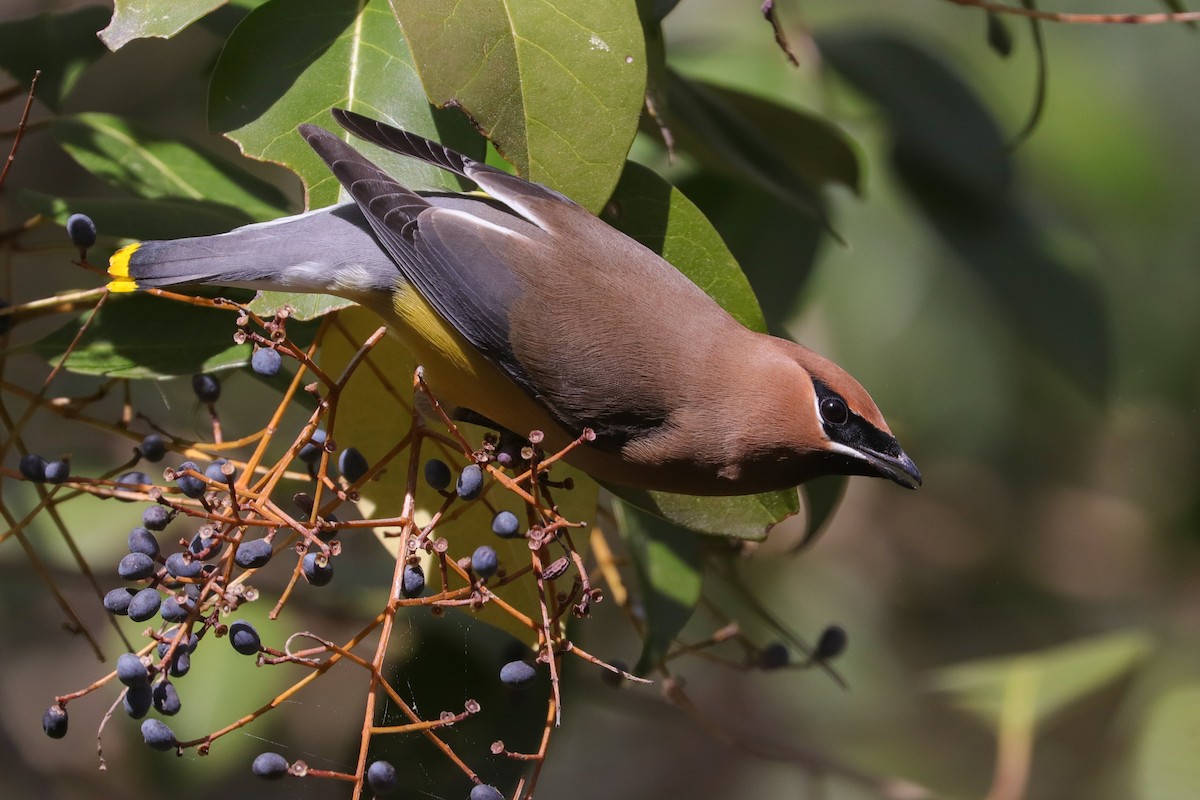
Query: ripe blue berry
[317, 568]
[483, 791]
[310, 453]
[174, 611]
[266, 361]
[484, 561]
[144, 605]
[57, 471]
[156, 518]
[166, 698]
[54, 722]
[181, 567]
[506, 525]
[269, 766]
[352, 465]
[244, 638]
[412, 584]
[207, 387]
[517, 674]
[181, 663]
[132, 481]
[190, 485]
[131, 671]
[142, 540]
[158, 735]
[215, 473]
[831, 644]
[136, 566]
[470, 482]
[253, 554]
[773, 656]
[437, 474]
[33, 467]
[138, 700]
[153, 448]
[381, 777]
[117, 601]
[82, 230]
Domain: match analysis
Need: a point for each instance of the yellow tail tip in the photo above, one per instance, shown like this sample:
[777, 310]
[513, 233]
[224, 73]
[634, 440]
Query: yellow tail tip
[118, 269]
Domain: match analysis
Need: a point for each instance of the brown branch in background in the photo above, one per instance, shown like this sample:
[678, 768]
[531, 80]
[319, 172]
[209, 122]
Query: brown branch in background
[24, 121]
[769, 14]
[1160, 18]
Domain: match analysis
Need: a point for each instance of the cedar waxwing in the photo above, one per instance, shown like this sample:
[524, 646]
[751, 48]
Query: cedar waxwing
[528, 311]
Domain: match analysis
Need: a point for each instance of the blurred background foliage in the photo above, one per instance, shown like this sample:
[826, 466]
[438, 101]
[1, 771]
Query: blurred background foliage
[1025, 625]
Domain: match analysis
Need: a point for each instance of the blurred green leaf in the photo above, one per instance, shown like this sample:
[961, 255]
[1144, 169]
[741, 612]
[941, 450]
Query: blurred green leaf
[140, 19]
[290, 61]
[60, 45]
[744, 517]
[1057, 677]
[785, 151]
[822, 496]
[1166, 764]
[140, 219]
[670, 569]
[952, 158]
[148, 165]
[557, 87]
[140, 336]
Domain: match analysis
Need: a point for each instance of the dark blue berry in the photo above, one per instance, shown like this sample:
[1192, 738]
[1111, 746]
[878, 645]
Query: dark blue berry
[158, 735]
[156, 518]
[57, 471]
[381, 777]
[253, 554]
[82, 230]
[190, 485]
[412, 584]
[181, 567]
[216, 474]
[138, 700]
[269, 766]
[317, 568]
[310, 453]
[136, 566]
[181, 663]
[470, 482]
[132, 482]
[117, 601]
[517, 674]
[506, 525]
[144, 605]
[437, 474]
[483, 791]
[131, 671]
[142, 540]
[33, 467]
[773, 656]
[266, 361]
[153, 448]
[244, 638]
[166, 698]
[207, 387]
[484, 561]
[174, 611]
[54, 722]
[352, 465]
[831, 644]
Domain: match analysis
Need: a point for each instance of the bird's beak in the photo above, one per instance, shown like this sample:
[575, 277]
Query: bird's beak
[897, 467]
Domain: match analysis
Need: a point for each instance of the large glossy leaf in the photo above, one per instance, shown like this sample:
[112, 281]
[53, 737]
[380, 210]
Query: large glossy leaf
[290, 61]
[140, 19]
[1048, 681]
[557, 86]
[1166, 763]
[148, 164]
[61, 45]
[140, 219]
[140, 336]
[670, 569]
[951, 156]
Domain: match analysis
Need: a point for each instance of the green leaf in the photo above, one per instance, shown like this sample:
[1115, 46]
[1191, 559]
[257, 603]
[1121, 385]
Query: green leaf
[304, 306]
[821, 496]
[558, 87]
[140, 336]
[290, 61]
[743, 517]
[670, 570]
[141, 19]
[61, 45]
[785, 151]
[148, 165]
[1050, 680]
[140, 219]
[952, 158]
[1166, 763]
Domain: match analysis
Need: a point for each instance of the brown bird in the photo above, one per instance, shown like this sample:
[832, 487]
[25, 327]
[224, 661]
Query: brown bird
[533, 314]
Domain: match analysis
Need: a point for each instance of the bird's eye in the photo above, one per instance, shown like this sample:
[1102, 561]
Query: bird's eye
[834, 411]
